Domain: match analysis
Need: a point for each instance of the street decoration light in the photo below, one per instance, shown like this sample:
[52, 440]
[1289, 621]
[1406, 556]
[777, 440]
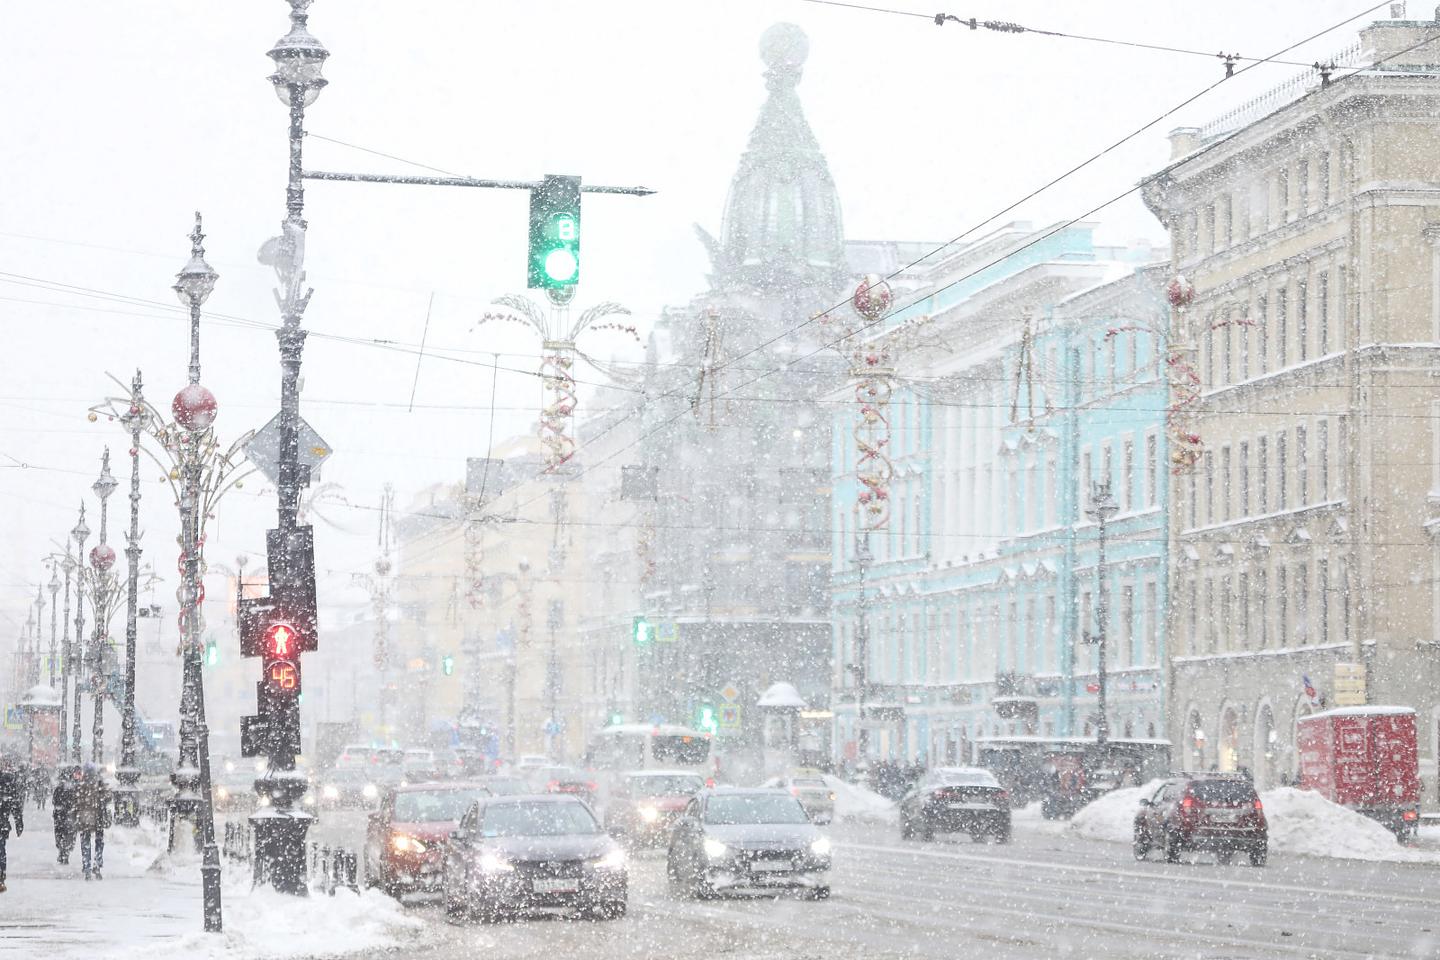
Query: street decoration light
[559, 350]
[67, 653]
[80, 533]
[102, 599]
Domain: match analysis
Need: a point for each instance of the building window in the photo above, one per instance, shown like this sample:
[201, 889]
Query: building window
[1323, 175]
[1107, 467]
[1227, 607]
[1302, 187]
[1210, 352]
[1047, 636]
[1322, 456]
[1226, 336]
[1282, 484]
[1262, 596]
[1086, 478]
[1051, 484]
[1322, 584]
[1244, 478]
[1302, 320]
[1282, 604]
[1302, 602]
[1194, 499]
[1225, 490]
[1243, 333]
[1282, 188]
[1226, 221]
[1127, 625]
[1282, 332]
[1194, 616]
[1322, 312]
[919, 533]
[1262, 334]
[1127, 480]
[1208, 458]
[1152, 617]
[1152, 470]
[1302, 468]
[1262, 476]
[1243, 588]
[1211, 625]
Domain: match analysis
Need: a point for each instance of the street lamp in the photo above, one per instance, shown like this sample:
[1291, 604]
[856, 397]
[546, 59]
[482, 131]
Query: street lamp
[127, 795]
[195, 409]
[102, 558]
[54, 589]
[861, 666]
[67, 654]
[1102, 508]
[81, 533]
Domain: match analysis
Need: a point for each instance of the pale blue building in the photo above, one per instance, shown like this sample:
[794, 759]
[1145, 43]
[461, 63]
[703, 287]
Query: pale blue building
[1040, 372]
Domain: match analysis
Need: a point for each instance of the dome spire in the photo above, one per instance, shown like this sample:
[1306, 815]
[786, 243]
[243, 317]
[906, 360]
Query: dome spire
[781, 229]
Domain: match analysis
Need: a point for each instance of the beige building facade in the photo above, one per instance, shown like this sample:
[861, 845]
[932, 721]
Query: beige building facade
[1301, 553]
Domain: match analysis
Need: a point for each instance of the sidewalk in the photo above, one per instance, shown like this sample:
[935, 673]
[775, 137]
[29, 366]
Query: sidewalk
[50, 911]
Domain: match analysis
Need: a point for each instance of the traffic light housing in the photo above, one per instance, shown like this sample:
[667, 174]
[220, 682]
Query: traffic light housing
[642, 631]
[212, 653]
[447, 665]
[554, 233]
[705, 719]
[280, 655]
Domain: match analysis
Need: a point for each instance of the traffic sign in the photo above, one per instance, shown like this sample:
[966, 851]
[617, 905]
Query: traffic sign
[729, 693]
[263, 449]
[729, 717]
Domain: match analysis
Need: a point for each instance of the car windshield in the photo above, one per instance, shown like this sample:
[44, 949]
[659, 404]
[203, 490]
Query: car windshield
[1222, 791]
[968, 778]
[665, 786]
[537, 820]
[754, 808]
[433, 806]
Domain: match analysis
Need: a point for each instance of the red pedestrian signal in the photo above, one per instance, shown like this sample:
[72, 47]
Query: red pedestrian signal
[280, 641]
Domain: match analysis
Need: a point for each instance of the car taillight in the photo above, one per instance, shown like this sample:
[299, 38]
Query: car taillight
[592, 786]
[1407, 815]
[1259, 807]
[552, 786]
[1188, 803]
[1005, 795]
[709, 781]
[794, 791]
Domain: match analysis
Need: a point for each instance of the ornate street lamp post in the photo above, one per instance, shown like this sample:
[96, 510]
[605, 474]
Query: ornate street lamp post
[195, 408]
[1102, 508]
[127, 795]
[81, 533]
[66, 657]
[102, 559]
[54, 589]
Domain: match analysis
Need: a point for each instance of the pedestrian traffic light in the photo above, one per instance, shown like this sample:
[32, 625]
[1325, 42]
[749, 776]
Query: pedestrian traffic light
[641, 632]
[212, 653]
[281, 658]
[705, 719]
[447, 665]
[554, 233]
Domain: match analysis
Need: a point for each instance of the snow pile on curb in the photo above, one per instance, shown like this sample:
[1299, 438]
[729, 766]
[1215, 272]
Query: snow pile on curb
[261, 924]
[1302, 821]
[858, 804]
[1112, 816]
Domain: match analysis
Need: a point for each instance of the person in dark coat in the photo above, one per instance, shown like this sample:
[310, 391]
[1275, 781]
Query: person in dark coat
[62, 802]
[92, 816]
[12, 805]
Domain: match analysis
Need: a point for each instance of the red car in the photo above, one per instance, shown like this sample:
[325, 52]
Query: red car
[1216, 812]
[1364, 758]
[405, 838]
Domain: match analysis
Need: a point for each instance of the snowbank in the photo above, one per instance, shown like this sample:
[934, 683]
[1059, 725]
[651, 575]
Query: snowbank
[1112, 816]
[262, 924]
[1301, 821]
[856, 803]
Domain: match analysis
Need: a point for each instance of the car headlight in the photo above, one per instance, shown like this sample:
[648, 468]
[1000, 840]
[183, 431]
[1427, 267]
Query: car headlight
[229, 766]
[714, 849]
[820, 847]
[264, 801]
[649, 814]
[490, 863]
[369, 791]
[309, 800]
[406, 844]
[614, 860]
[331, 792]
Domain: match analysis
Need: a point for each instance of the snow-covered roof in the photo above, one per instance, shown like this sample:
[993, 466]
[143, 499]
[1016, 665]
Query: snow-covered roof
[781, 694]
[1378, 710]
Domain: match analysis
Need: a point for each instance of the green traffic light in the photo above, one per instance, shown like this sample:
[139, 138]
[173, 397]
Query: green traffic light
[447, 665]
[554, 261]
[561, 265]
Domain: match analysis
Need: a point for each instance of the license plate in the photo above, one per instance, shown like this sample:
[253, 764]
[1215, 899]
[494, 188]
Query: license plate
[770, 866]
[1225, 816]
[969, 806]
[554, 886]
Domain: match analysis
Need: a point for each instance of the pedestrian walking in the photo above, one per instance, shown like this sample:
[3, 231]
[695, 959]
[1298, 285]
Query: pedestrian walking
[62, 801]
[92, 816]
[12, 804]
[40, 785]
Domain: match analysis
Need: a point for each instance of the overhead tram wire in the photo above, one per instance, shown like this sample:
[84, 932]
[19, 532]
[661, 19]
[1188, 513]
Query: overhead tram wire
[1006, 26]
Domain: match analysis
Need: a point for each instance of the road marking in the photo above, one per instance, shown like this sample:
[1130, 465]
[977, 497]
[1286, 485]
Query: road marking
[1150, 876]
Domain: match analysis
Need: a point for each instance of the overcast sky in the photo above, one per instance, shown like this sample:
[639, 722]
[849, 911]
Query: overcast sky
[121, 119]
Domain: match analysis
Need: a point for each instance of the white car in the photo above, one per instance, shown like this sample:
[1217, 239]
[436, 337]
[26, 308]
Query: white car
[529, 762]
[814, 794]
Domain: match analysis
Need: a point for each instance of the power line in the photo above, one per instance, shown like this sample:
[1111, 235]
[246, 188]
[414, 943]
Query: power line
[1006, 26]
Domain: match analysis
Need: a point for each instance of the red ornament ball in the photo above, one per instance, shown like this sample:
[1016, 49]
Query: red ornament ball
[102, 558]
[1181, 292]
[873, 297]
[194, 408]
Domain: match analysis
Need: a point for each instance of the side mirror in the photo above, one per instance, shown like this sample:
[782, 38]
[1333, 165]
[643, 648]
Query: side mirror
[458, 835]
[1144, 801]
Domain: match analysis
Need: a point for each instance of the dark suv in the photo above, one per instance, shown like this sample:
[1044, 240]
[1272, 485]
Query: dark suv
[1212, 812]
